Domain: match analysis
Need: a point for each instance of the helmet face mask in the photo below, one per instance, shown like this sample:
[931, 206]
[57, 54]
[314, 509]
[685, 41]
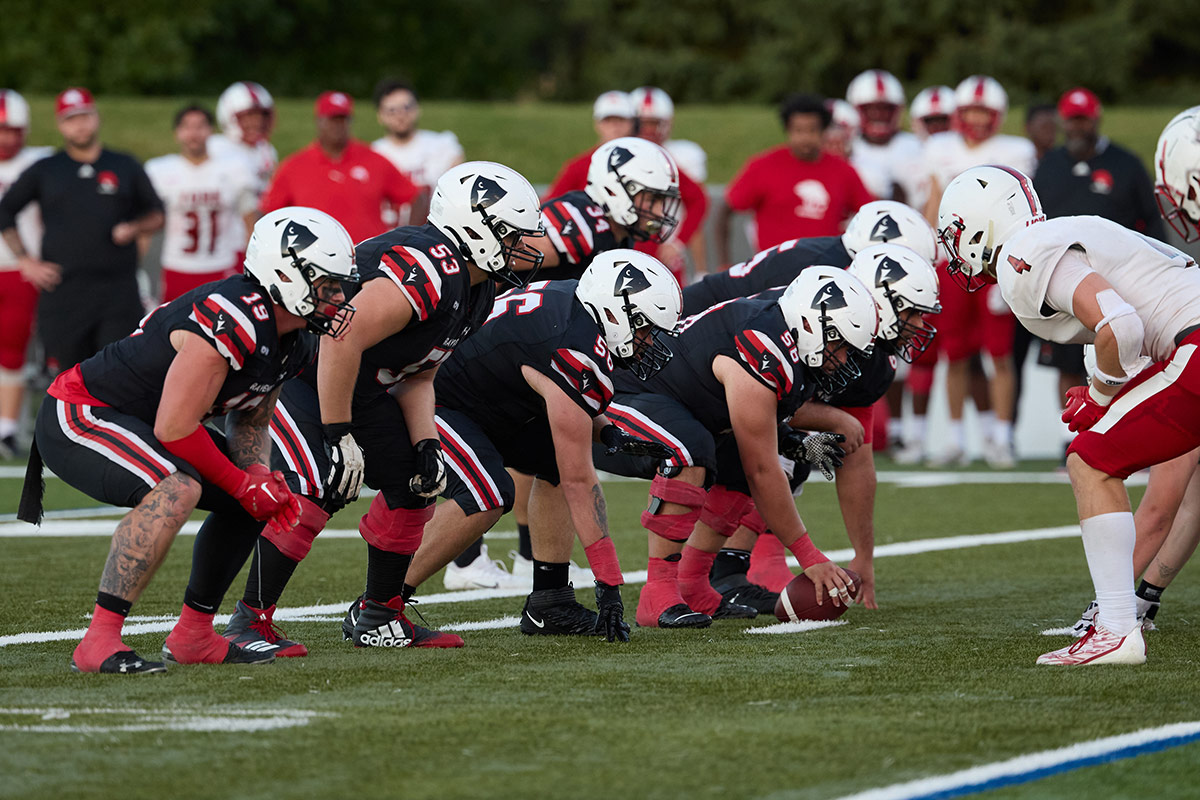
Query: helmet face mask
[636, 182]
[1177, 174]
[905, 288]
[834, 320]
[657, 212]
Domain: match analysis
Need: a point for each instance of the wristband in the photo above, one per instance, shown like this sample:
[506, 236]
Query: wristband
[199, 450]
[806, 552]
[1109, 380]
[602, 557]
[1098, 397]
[610, 436]
[334, 431]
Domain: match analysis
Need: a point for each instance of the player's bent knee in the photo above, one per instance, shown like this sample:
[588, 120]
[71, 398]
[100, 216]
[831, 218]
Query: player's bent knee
[181, 491]
[723, 509]
[296, 543]
[395, 530]
[675, 527]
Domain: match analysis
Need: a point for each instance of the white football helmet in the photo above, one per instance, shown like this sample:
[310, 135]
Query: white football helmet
[625, 178]
[825, 307]
[890, 222]
[880, 99]
[652, 103]
[486, 208]
[613, 104]
[980, 91]
[626, 291]
[14, 113]
[290, 251]
[845, 116]
[1177, 174]
[932, 110]
[241, 97]
[982, 209]
[900, 280]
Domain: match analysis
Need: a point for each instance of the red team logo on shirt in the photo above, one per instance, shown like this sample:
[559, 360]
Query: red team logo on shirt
[1102, 181]
[107, 182]
[1019, 264]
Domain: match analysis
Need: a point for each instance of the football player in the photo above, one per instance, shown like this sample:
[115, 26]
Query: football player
[932, 111]
[1085, 279]
[888, 159]
[246, 114]
[529, 391]
[743, 366]
[18, 297]
[126, 426]
[424, 290]
[972, 324]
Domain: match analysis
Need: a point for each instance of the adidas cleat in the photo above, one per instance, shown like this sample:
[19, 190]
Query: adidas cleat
[255, 630]
[384, 625]
[351, 619]
[556, 612]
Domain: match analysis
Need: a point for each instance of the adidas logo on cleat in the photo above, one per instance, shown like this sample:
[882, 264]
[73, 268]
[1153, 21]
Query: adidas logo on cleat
[259, 646]
[393, 636]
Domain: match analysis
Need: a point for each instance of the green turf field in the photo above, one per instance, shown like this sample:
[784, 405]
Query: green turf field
[533, 138]
[941, 678]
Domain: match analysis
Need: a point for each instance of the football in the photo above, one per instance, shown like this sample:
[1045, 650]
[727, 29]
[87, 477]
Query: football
[798, 601]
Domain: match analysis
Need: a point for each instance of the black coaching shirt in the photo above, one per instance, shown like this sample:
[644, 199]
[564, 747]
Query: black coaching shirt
[1112, 184]
[81, 203]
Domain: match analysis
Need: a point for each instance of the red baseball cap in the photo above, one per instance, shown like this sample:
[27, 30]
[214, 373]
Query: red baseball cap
[334, 104]
[72, 101]
[1079, 102]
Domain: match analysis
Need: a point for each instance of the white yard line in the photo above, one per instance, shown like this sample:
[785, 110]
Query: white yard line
[334, 611]
[1035, 766]
[205, 720]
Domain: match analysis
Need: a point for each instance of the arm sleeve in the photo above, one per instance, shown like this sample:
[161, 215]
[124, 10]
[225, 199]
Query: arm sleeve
[695, 203]
[19, 195]
[1068, 273]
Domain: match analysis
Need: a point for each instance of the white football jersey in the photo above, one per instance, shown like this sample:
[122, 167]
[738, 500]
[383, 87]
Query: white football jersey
[1160, 282]
[690, 157]
[425, 157]
[897, 163]
[946, 155]
[29, 221]
[260, 158]
[204, 205]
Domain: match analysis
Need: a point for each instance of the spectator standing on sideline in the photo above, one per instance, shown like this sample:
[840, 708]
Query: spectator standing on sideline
[95, 202]
[655, 118]
[1089, 175]
[18, 297]
[340, 175]
[420, 154]
[795, 191]
[209, 202]
[612, 117]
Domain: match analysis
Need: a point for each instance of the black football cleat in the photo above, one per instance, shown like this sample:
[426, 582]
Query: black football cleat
[351, 619]
[738, 589]
[556, 612]
[731, 610]
[385, 625]
[680, 616]
[126, 662]
[234, 655]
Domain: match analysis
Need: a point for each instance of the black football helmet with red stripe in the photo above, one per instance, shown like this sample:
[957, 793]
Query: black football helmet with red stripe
[982, 209]
[304, 259]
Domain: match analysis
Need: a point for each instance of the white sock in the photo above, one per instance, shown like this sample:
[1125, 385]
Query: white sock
[957, 436]
[917, 426]
[895, 428]
[1108, 543]
[8, 427]
[1002, 431]
[987, 425]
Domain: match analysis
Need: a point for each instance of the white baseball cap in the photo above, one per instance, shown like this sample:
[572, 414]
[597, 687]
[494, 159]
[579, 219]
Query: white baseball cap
[613, 104]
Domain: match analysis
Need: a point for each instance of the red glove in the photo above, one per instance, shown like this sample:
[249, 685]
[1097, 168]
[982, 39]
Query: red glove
[1082, 411]
[266, 497]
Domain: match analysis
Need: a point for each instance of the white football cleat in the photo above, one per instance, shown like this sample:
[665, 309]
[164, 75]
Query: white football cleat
[910, 454]
[482, 573]
[523, 568]
[949, 457]
[1100, 646]
[999, 455]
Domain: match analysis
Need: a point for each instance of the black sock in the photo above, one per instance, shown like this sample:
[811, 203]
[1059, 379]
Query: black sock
[472, 552]
[549, 575]
[110, 602]
[1150, 593]
[524, 546]
[730, 562]
[407, 592]
[385, 574]
[222, 546]
[270, 571]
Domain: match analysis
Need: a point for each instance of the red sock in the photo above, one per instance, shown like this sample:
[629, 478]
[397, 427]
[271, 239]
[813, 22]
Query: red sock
[193, 640]
[694, 587]
[660, 592]
[768, 564]
[103, 638]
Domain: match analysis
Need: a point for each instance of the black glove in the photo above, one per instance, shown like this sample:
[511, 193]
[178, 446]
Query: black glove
[818, 449]
[610, 622]
[430, 480]
[618, 441]
[346, 465]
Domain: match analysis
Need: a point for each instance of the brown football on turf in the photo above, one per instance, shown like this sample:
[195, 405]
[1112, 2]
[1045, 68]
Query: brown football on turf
[798, 601]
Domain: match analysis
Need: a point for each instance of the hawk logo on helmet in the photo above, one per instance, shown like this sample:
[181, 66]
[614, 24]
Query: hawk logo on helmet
[619, 157]
[829, 296]
[296, 238]
[889, 271]
[631, 280]
[885, 229]
[485, 192]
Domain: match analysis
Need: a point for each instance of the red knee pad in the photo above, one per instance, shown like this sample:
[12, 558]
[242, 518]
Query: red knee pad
[296, 543]
[723, 510]
[754, 521]
[394, 530]
[675, 527]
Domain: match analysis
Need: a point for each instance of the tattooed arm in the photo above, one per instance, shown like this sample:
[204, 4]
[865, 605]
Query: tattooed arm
[248, 433]
[571, 428]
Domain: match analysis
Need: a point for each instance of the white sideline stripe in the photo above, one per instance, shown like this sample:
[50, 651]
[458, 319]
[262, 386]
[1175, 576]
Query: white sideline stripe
[208, 720]
[159, 624]
[81, 528]
[1036, 765]
[1067, 631]
[801, 626]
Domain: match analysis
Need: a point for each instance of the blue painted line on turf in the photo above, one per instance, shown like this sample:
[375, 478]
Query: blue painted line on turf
[1036, 766]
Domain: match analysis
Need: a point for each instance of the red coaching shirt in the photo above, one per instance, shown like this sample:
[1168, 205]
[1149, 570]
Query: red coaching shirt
[794, 199]
[351, 189]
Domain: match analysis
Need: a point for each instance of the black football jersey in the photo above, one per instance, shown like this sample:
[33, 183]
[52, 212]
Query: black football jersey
[777, 266]
[542, 326]
[579, 230]
[235, 316]
[425, 265]
[751, 332]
